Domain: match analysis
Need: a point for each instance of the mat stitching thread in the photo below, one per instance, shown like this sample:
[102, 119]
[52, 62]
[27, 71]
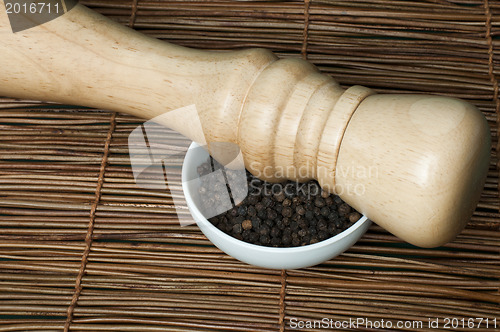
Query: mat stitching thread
[131, 22]
[282, 301]
[491, 65]
[306, 30]
[90, 230]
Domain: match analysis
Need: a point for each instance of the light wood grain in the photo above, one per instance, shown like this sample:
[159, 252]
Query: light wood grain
[425, 158]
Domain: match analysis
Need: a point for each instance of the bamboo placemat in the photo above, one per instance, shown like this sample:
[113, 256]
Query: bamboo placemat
[83, 248]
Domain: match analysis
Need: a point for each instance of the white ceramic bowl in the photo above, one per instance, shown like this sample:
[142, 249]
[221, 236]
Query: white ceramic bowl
[268, 257]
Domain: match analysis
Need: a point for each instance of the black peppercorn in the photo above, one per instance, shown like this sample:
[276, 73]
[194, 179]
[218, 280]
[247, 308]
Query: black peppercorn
[344, 209]
[275, 232]
[286, 239]
[275, 241]
[280, 196]
[322, 225]
[264, 230]
[278, 215]
[262, 214]
[333, 215]
[297, 217]
[255, 182]
[269, 222]
[237, 228]
[272, 214]
[302, 233]
[255, 223]
[290, 189]
[253, 199]
[251, 211]
[322, 235]
[319, 202]
[268, 202]
[242, 210]
[332, 229]
[264, 239]
[215, 220]
[302, 224]
[253, 237]
[287, 212]
[280, 224]
[246, 234]
[300, 210]
[237, 220]
[314, 188]
[354, 216]
[233, 212]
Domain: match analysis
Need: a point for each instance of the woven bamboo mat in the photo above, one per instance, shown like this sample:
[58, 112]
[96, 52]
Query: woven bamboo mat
[83, 248]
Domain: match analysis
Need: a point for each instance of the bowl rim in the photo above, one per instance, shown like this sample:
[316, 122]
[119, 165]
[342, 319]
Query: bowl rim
[200, 219]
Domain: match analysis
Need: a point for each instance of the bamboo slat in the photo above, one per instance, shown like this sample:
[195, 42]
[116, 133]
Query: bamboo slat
[65, 170]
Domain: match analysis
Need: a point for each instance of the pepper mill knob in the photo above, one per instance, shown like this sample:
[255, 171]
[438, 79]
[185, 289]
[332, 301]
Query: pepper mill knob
[414, 164]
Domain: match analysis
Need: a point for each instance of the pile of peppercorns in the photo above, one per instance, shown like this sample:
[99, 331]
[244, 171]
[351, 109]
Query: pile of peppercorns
[287, 214]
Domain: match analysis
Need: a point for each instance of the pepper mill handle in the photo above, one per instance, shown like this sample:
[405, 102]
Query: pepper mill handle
[414, 164]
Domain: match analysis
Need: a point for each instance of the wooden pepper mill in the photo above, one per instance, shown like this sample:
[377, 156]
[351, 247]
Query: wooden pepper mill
[414, 164]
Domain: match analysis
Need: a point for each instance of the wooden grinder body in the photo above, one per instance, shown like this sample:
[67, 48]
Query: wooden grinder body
[414, 164]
